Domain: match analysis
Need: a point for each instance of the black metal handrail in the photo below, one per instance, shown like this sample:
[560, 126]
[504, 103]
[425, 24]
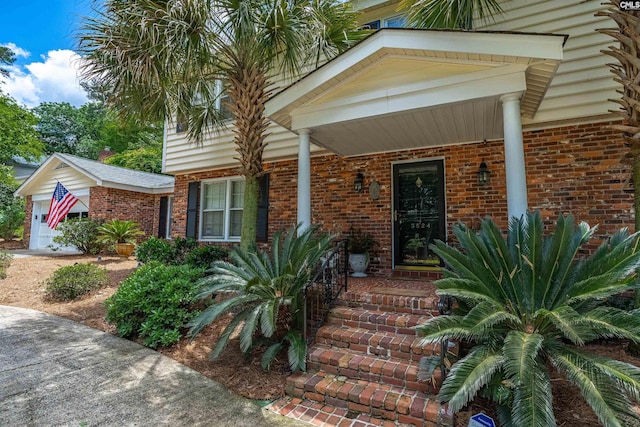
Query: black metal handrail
[320, 294]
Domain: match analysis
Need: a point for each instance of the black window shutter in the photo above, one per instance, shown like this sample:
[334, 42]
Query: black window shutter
[262, 229]
[162, 219]
[192, 209]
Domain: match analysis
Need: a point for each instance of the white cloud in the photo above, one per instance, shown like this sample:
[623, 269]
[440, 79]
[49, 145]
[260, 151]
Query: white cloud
[54, 79]
[18, 51]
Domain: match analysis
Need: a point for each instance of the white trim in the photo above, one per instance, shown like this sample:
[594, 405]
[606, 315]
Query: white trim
[383, 102]
[78, 193]
[226, 212]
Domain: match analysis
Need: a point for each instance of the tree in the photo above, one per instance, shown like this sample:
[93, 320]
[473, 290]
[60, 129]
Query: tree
[11, 209]
[165, 59]
[527, 305]
[455, 14]
[59, 126]
[7, 57]
[17, 134]
[146, 159]
[626, 71]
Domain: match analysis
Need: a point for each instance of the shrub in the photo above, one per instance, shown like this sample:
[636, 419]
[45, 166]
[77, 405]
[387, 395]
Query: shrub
[74, 281]
[155, 249]
[179, 251]
[204, 256]
[81, 233]
[531, 304]
[154, 303]
[11, 219]
[266, 294]
[5, 262]
[116, 231]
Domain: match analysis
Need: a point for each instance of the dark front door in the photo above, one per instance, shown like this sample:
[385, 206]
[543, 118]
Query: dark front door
[418, 212]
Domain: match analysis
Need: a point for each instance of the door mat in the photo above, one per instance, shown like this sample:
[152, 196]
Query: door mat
[403, 292]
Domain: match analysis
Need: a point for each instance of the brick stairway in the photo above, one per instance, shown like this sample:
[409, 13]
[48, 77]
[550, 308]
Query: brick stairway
[362, 369]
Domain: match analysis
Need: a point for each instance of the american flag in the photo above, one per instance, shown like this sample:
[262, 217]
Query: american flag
[61, 203]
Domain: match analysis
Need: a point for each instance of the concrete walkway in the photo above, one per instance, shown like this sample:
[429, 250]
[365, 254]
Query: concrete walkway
[55, 372]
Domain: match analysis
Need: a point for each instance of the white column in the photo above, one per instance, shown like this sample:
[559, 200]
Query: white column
[514, 155]
[304, 179]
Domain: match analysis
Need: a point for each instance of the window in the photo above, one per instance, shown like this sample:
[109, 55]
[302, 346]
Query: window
[221, 209]
[221, 101]
[373, 25]
[169, 216]
[397, 21]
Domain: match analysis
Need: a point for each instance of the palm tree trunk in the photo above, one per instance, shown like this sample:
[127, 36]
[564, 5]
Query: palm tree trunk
[250, 212]
[247, 88]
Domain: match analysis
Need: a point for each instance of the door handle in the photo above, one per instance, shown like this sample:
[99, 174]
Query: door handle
[395, 216]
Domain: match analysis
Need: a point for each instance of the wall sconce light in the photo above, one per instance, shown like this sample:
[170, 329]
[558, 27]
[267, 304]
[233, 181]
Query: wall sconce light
[483, 174]
[358, 183]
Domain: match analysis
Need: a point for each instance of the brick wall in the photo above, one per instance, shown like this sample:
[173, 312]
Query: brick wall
[111, 203]
[572, 169]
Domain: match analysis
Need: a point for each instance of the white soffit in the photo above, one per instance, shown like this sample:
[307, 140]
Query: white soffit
[412, 73]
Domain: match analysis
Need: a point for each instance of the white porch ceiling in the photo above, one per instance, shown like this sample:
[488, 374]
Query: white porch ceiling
[403, 88]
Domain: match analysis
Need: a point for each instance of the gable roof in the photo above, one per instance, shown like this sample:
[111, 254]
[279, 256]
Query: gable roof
[101, 175]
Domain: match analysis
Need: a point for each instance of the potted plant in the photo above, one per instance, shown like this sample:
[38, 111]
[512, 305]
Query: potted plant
[122, 234]
[359, 244]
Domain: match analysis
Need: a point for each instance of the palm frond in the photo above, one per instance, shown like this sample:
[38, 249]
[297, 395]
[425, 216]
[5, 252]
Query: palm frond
[533, 400]
[521, 354]
[609, 322]
[598, 390]
[469, 375]
[297, 351]
[270, 354]
[565, 320]
[216, 310]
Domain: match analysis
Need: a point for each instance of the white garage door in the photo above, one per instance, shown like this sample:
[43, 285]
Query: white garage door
[41, 235]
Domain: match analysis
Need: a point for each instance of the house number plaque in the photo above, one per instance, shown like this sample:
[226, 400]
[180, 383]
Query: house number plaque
[374, 190]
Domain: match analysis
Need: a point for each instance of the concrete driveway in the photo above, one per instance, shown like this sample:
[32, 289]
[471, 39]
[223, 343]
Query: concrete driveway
[55, 372]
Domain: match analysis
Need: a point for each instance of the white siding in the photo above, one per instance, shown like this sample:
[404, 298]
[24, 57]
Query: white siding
[69, 177]
[580, 89]
[583, 83]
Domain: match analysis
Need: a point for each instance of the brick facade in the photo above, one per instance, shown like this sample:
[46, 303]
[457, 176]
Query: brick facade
[111, 203]
[576, 169]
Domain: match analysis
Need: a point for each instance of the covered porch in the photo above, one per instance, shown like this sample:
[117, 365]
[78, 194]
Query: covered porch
[405, 89]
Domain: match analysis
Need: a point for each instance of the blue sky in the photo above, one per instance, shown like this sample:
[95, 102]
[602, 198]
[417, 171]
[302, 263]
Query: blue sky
[42, 34]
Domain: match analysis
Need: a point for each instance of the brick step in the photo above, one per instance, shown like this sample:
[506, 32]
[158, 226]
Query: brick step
[381, 401]
[379, 344]
[390, 303]
[373, 320]
[317, 413]
[359, 366]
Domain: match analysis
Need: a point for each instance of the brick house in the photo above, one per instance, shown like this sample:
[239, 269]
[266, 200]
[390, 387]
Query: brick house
[105, 192]
[391, 136]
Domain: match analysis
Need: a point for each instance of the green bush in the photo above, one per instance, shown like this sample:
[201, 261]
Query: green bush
[178, 252]
[5, 262]
[155, 249]
[81, 233]
[74, 281]
[155, 303]
[204, 256]
[532, 304]
[11, 219]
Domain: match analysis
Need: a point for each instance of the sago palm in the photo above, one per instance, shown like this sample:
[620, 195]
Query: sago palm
[264, 293]
[532, 303]
[180, 58]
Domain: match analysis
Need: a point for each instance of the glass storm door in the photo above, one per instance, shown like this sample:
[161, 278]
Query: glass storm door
[418, 212]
